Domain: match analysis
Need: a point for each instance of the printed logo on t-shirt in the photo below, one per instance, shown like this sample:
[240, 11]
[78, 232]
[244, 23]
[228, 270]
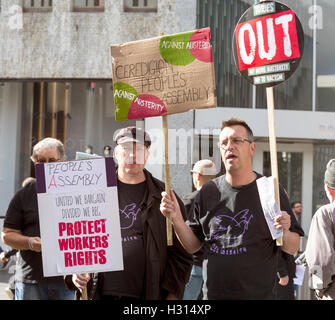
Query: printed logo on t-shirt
[228, 231]
[128, 217]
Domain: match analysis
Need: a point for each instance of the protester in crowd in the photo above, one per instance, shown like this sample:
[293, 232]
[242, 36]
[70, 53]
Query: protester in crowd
[152, 270]
[7, 258]
[320, 248]
[21, 231]
[297, 210]
[228, 220]
[203, 171]
[286, 273]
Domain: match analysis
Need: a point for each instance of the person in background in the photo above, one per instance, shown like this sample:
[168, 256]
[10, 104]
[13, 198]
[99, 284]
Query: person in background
[203, 171]
[320, 248]
[21, 231]
[297, 210]
[286, 273]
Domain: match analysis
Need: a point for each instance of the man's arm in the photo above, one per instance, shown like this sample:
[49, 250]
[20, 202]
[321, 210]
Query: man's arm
[184, 233]
[320, 253]
[15, 239]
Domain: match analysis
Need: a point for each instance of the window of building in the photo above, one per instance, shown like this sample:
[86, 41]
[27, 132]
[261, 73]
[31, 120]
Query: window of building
[323, 152]
[323, 31]
[232, 89]
[140, 5]
[88, 5]
[37, 5]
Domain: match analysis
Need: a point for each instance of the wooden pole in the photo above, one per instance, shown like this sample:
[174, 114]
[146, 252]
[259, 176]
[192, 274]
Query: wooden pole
[273, 148]
[167, 173]
[84, 294]
[167, 177]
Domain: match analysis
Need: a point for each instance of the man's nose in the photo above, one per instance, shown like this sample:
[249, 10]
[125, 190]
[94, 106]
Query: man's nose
[229, 145]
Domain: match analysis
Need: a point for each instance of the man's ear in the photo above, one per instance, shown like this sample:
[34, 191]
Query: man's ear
[330, 193]
[253, 148]
[116, 152]
[146, 156]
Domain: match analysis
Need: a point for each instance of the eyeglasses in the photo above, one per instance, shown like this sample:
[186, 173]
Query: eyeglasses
[47, 160]
[234, 141]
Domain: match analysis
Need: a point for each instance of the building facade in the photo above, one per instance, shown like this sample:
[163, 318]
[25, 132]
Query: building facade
[56, 73]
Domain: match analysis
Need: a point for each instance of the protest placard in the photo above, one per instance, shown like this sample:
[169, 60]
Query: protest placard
[268, 44]
[79, 216]
[163, 75]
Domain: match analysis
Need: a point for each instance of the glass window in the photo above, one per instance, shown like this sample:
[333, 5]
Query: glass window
[140, 5]
[295, 93]
[289, 170]
[322, 154]
[325, 53]
[88, 5]
[80, 114]
[37, 5]
[222, 16]
[233, 90]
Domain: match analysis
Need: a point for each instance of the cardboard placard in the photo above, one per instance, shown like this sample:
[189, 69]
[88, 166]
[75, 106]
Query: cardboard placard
[268, 43]
[79, 217]
[163, 75]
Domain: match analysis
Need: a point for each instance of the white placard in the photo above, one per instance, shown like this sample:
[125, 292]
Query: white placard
[266, 193]
[299, 275]
[79, 217]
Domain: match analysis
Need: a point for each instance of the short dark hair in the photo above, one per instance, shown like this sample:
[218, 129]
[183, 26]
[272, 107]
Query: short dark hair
[238, 122]
[294, 203]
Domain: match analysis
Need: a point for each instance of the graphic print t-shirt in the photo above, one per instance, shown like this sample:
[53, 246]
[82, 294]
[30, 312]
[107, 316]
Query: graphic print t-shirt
[240, 256]
[129, 282]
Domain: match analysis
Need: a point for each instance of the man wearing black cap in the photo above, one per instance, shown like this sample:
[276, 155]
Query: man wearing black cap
[320, 250]
[152, 270]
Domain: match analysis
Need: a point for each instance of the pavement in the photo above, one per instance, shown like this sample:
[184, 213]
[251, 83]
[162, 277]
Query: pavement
[4, 277]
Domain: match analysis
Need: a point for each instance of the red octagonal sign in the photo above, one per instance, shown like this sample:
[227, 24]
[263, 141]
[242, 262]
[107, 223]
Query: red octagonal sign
[268, 43]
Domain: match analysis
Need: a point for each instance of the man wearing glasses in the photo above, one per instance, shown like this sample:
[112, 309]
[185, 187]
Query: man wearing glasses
[240, 258]
[297, 210]
[21, 231]
[203, 171]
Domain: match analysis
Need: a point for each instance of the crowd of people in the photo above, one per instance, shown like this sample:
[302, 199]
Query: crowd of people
[222, 246]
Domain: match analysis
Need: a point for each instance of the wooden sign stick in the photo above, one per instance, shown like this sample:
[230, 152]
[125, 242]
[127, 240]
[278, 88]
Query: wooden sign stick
[167, 177]
[273, 148]
[84, 294]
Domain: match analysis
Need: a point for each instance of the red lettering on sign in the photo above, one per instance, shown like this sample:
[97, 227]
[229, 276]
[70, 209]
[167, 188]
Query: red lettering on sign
[52, 182]
[268, 39]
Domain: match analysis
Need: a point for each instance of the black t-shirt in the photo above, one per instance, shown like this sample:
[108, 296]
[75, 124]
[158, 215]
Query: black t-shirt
[240, 258]
[22, 214]
[129, 282]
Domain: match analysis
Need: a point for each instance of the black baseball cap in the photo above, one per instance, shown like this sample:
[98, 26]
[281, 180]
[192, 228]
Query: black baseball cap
[132, 134]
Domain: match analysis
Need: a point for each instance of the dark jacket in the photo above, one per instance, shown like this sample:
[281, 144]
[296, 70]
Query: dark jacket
[167, 267]
[286, 265]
